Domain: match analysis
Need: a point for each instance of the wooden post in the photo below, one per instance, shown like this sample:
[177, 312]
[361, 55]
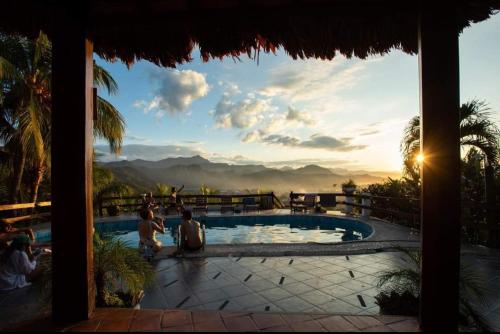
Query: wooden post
[72, 139]
[440, 171]
[490, 196]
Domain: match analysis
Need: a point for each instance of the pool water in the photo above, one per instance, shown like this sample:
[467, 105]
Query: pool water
[250, 229]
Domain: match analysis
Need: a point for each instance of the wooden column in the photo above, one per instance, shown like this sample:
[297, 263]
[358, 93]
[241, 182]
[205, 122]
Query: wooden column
[72, 139]
[440, 144]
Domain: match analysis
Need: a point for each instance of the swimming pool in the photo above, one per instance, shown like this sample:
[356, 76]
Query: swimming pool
[294, 228]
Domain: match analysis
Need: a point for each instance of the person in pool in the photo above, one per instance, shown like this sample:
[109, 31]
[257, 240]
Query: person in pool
[175, 202]
[147, 229]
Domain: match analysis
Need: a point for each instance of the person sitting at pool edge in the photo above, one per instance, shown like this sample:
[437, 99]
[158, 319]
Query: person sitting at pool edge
[147, 229]
[8, 233]
[18, 264]
[191, 234]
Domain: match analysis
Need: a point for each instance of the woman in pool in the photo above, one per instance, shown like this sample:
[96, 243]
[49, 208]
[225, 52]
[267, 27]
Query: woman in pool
[147, 229]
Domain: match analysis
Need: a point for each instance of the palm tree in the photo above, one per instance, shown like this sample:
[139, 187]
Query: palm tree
[476, 130]
[25, 109]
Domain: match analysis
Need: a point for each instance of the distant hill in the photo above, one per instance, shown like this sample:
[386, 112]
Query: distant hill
[196, 170]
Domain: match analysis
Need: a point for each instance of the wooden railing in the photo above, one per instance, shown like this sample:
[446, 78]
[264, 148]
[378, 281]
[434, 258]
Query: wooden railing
[412, 215]
[22, 207]
[213, 199]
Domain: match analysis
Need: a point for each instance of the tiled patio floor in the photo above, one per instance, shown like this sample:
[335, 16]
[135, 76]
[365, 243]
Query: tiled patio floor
[312, 284]
[214, 321]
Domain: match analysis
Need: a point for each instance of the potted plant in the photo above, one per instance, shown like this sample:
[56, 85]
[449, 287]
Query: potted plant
[349, 187]
[401, 294]
[120, 273]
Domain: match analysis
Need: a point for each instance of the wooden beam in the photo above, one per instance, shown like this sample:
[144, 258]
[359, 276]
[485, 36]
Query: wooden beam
[440, 171]
[72, 138]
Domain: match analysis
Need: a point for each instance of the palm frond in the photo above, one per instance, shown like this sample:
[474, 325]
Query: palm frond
[104, 80]
[110, 125]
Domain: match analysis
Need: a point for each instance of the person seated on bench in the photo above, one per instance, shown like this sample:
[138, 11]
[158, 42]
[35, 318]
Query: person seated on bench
[191, 234]
[148, 202]
[8, 233]
[18, 266]
[147, 229]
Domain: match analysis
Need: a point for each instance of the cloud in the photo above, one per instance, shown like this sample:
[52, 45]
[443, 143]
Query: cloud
[243, 114]
[315, 142]
[315, 79]
[176, 91]
[294, 115]
[137, 138]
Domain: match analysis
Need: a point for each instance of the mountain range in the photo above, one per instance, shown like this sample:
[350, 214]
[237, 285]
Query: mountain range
[196, 170]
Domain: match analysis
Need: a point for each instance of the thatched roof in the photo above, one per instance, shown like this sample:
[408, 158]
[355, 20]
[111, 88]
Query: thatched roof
[166, 31]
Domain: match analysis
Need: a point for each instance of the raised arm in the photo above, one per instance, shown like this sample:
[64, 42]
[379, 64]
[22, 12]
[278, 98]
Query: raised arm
[159, 227]
[180, 189]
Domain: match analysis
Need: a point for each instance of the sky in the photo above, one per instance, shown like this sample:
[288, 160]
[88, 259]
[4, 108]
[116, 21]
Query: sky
[344, 113]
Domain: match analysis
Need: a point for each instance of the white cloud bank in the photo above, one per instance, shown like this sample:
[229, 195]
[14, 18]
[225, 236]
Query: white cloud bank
[175, 93]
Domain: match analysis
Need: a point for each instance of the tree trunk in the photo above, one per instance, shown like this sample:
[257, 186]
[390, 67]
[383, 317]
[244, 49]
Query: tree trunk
[36, 179]
[18, 170]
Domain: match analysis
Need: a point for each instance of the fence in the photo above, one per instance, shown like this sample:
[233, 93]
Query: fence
[265, 201]
[389, 208]
[20, 209]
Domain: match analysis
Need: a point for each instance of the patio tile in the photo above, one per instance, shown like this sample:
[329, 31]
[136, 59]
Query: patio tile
[356, 285]
[298, 288]
[116, 325]
[230, 314]
[293, 304]
[289, 318]
[363, 322]
[240, 324]
[275, 294]
[236, 290]
[319, 272]
[249, 300]
[316, 297]
[318, 283]
[211, 295]
[85, 326]
[267, 307]
[204, 316]
[337, 291]
[340, 307]
[146, 320]
[301, 276]
[381, 328]
[210, 326]
[176, 329]
[284, 329]
[261, 284]
[389, 319]
[354, 300]
[307, 326]
[337, 323]
[173, 318]
[410, 325]
[337, 278]
[264, 321]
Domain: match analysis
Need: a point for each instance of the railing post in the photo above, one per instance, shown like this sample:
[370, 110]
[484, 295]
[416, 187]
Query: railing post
[291, 201]
[348, 201]
[366, 201]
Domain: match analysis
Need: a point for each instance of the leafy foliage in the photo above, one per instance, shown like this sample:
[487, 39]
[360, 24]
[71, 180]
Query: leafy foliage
[401, 282]
[118, 267]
